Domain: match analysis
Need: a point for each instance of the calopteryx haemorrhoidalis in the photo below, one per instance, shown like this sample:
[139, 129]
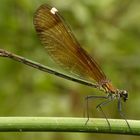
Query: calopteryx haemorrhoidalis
[66, 51]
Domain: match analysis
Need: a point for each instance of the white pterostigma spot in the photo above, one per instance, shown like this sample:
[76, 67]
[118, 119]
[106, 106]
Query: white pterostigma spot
[53, 10]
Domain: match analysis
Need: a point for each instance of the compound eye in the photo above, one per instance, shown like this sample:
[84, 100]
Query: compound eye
[125, 92]
[125, 95]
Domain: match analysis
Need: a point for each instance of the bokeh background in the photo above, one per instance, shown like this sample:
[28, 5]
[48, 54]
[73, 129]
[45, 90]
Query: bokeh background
[108, 29]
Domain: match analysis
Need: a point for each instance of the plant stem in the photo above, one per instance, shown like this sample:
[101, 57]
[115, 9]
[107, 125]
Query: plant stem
[67, 124]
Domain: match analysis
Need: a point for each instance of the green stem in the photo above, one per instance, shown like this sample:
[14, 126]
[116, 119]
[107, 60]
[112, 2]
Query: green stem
[67, 124]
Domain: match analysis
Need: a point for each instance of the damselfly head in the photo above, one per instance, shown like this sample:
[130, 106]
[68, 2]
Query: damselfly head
[123, 95]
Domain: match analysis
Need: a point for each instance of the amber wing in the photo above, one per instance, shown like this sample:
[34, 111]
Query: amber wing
[63, 47]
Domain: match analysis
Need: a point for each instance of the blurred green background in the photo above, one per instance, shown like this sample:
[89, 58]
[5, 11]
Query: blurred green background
[108, 29]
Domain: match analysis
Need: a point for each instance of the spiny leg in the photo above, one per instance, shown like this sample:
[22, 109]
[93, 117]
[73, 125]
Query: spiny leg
[87, 103]
[100, 107]
[121, 113]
